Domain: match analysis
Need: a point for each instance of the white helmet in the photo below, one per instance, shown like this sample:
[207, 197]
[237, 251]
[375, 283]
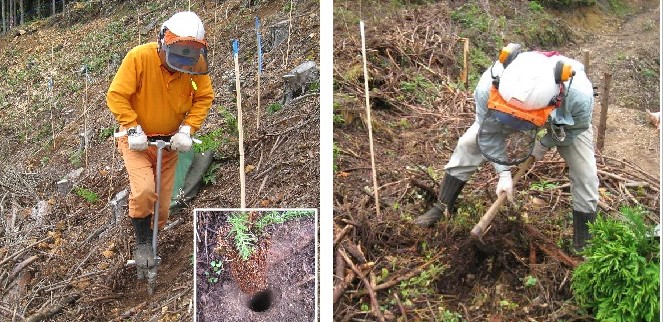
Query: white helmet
[185, 24]
[529, 79]
[182, 38]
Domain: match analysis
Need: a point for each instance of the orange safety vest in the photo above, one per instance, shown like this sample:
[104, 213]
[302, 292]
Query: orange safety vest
[538, 117]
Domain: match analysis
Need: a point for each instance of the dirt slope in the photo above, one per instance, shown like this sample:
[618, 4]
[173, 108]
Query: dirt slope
[419, 110]
[73, 249]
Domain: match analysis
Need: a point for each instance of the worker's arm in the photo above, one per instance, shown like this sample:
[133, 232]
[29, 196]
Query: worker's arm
[123, 86]
[202, 101]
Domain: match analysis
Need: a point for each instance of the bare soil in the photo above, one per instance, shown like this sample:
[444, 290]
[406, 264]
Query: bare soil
[523, 269]
[73, 253]
[277, 283]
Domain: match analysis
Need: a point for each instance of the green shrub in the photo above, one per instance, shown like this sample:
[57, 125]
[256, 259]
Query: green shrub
[88, 195]
[274, 107]
[619, 281]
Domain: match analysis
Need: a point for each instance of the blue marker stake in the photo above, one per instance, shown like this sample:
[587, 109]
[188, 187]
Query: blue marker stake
[259, 45]
[235, 47]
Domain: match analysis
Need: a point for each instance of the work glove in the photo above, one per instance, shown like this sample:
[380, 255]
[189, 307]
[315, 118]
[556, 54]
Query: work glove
[181, 141]
[137, 139]
[539, 150]
[505, 185]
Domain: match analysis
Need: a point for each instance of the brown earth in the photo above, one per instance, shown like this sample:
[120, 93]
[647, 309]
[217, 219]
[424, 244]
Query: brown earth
[441, 273]
[73, 253]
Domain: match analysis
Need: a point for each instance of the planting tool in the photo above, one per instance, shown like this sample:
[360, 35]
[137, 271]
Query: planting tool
[480, 228]
[151, 273]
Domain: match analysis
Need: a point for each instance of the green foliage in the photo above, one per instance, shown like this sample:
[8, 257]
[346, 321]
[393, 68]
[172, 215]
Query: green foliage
[337, 118]
[336, 152]
[542, 185]
[210, 141]
[106, 132]
[88, 195]
[419, 87]
[279, 217]
[535, 6]
[274, 107]
[422, 284]
[529, 280]
[210, 175]
[619, 281]
[566, 4]
[448, 316]
[244, 238]
[287, 7]
[217, 268]
[230, 121]
[314, 87]
[246, 234]
[76, 158]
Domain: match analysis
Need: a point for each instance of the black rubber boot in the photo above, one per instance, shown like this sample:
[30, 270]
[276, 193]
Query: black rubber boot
[581, 229]
[143, 254]
[449, 191]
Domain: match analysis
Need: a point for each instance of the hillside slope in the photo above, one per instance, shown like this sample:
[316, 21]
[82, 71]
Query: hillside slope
[72, 245]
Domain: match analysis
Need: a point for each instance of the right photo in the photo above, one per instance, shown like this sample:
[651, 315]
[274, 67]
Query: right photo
[496, 161]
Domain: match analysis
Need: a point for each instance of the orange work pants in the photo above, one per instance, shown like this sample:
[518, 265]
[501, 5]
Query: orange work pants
[141, 167]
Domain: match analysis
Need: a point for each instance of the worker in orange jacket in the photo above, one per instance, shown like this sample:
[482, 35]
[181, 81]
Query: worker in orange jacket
[161, 91]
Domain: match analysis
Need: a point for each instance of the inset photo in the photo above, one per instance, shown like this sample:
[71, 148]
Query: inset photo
[255, 264]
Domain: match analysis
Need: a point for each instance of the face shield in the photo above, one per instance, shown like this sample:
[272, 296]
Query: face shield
[186, 54]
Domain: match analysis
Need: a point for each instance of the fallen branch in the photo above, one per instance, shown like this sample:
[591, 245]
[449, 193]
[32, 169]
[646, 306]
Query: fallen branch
[369, 289]
[23, 250]
[52, 310]
[19, 267]
[395, 279]
[342, 234]
[549, 247]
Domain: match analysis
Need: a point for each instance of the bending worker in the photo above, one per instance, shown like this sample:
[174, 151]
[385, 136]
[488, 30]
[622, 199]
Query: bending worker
[518, 96]
[161, 91]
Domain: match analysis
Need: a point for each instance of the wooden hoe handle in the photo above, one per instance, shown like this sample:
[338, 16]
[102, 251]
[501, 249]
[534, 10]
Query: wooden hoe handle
[480, 228]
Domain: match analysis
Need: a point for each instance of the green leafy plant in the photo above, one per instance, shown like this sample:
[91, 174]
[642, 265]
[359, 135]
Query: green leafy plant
[529, 280]
[230, 120]
[274, 107]
[535, 6]
[210, 175]
[106, 132]
[245, 233]
[88, 195]
[336, 152]
[542, 185]
[619, 281]
[76, 158]
[210, 141]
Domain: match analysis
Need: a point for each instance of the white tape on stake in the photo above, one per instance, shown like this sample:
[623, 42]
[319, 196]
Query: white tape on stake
[370, 126]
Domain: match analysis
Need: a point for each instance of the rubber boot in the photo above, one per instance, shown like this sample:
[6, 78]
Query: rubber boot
[143, 252]
[449, 191]
[581, 229]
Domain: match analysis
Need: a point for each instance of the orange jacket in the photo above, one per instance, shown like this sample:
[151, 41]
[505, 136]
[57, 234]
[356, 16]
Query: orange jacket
[144, 93]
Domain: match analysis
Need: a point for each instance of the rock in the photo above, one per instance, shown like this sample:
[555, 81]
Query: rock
[64, 186]
[298, 80]
[39, 212]
[118, 203]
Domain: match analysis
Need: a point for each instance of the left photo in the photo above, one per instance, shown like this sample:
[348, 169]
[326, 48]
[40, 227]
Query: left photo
[119, 118]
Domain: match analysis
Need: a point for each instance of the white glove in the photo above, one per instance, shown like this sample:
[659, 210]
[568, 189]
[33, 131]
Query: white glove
[181, 141]
[137, 139]
[539, 150]
[505, 185]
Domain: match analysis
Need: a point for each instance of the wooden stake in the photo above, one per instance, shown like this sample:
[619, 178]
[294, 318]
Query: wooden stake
[466, 50]
[605, 98]
[85, 140]
[240, 128]
[370, 127]
[585, 60]
[287, 50]
[259, 70]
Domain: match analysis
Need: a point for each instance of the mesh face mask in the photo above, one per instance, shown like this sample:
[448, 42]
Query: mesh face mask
[504, 139]
[185, 54]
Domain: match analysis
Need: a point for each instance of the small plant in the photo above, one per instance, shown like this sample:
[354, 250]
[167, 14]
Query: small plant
[508, 305]
[314, 87]
[529, 280]
[542, 185]
[274, 107]
[535, 6]
[287, 7]
[210, 141]
[619, 281]
[88, 195]
[335, 154]
[230, 120]
[76, 158]
[106, 132]
[210, 175]
[245, 233]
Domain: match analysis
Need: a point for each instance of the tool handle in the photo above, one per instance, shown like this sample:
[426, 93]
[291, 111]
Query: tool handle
[480, 228]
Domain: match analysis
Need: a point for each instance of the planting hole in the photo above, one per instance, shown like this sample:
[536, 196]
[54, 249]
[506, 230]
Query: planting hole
[261, 301]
